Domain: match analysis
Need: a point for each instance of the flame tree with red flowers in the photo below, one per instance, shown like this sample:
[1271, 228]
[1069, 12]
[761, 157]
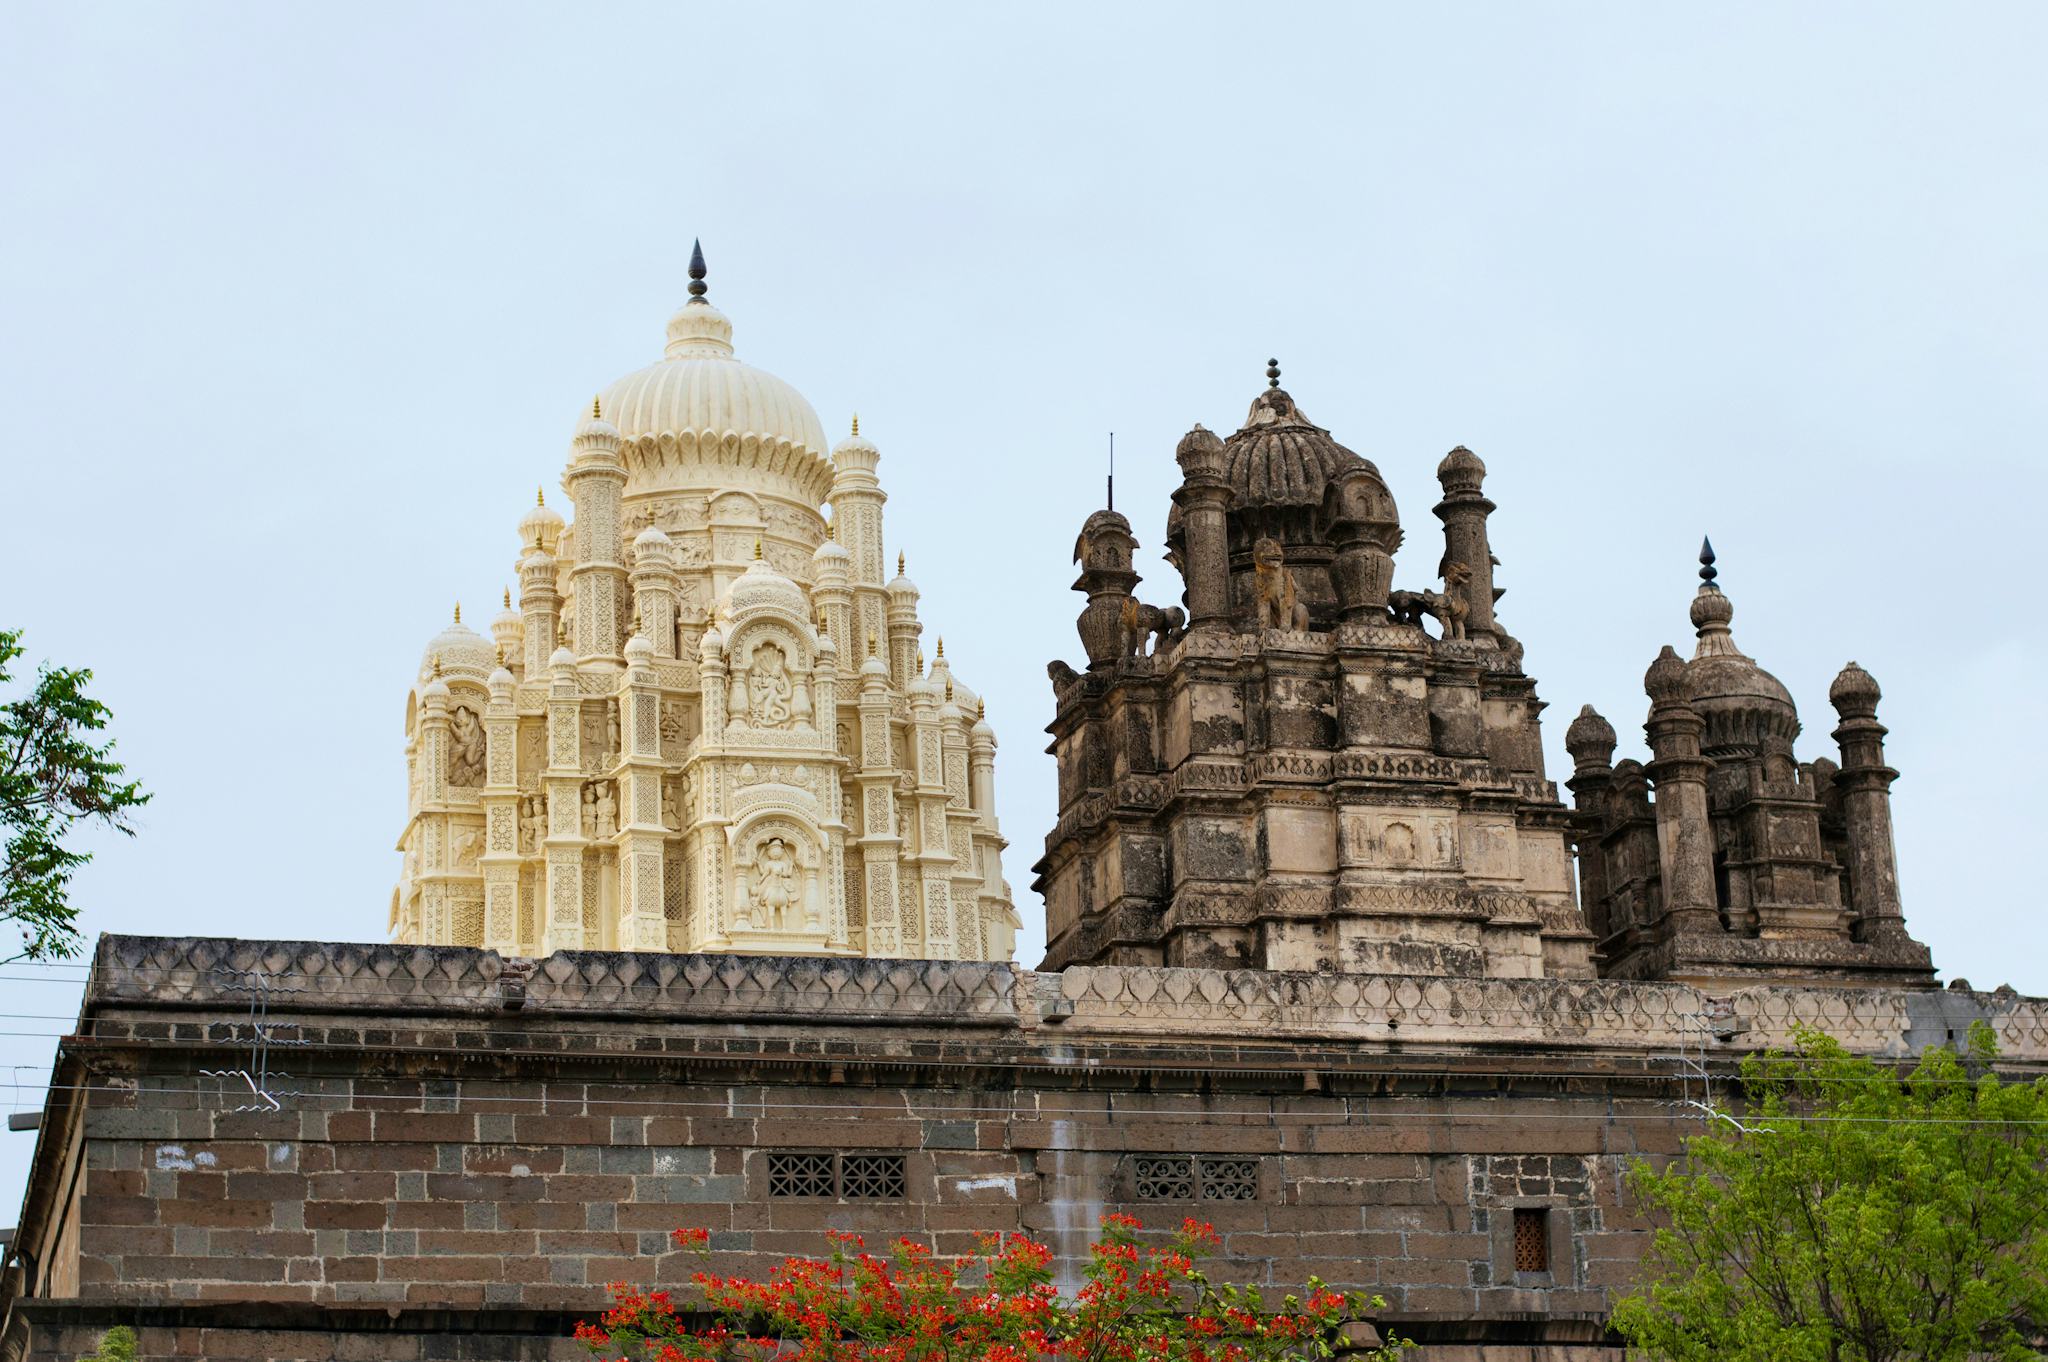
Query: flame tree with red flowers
[1138, 1303]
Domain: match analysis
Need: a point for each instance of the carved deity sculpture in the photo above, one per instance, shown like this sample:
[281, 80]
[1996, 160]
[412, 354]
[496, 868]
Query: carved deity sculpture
[769, 689]
[532, 824]
[611, 728]
[590, 811]
[607, 810]
[1275, 597]
[670, 818]
[775, 885]
[466, 748]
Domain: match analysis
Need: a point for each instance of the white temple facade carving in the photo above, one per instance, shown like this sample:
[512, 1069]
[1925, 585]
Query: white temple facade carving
[707, 725]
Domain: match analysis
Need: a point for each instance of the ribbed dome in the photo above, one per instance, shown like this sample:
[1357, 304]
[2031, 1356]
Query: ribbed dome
[461, 651]
[1279, 457]
[1746, 709]
[704, 408]
[761, 587]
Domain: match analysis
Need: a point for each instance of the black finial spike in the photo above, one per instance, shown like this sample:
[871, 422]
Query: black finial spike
[1112, 470]
[1707, 573]
[1272, 373]
[697, 286]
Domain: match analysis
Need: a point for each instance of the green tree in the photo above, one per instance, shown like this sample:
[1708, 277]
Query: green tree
[55, 773]
[1854, 1214]
[118, 1344]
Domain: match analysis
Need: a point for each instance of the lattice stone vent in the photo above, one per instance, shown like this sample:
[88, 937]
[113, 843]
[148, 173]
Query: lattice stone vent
[1182, 1177]
[846, 1177]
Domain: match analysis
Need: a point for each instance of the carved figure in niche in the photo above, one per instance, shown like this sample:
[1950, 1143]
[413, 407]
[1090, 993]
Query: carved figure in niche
[669, 817]
[611, 727]
[590, 811]
[1274, 594]
[770, 693]
[466, 748]
[607, 810]
[1444, 849]
[1451, 608]
[775, 886]
[1161, 624]
[532, 823]
[468, 843]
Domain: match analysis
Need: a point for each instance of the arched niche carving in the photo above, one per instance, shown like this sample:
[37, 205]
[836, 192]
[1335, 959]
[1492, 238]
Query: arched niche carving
[778, 860]
[769, 677]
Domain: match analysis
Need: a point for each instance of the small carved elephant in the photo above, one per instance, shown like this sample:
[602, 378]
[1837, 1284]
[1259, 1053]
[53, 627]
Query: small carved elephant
[1160, 624]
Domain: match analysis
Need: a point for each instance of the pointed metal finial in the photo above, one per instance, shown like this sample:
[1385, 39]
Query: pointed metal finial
[540, 496]
[1272, 373]
[501, 654]
[832, 530]
[942, 647]
[757, 550]
[596, 409]
[1707, 573]
[899, 563]
[437, 664]
[856, 423]
[458, 612]
[697, 287]
[949, 690]
[981, 709]
[508, 598]
[871, 644]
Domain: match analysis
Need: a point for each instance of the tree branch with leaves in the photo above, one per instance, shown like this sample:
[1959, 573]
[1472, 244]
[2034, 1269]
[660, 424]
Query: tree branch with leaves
[56, 772]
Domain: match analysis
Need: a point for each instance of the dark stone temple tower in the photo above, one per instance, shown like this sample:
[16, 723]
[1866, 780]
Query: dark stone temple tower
[1750, 864]
[1303, 777]
[1295, 774]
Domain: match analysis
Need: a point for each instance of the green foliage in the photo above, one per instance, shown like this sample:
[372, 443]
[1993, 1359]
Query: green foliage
[1857, 1215]
[54, 774]
[118, 1345]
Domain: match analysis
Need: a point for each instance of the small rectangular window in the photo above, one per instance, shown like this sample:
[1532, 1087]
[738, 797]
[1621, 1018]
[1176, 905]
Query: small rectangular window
[1532, 1239]
[1164, 1178]
[799, 1175]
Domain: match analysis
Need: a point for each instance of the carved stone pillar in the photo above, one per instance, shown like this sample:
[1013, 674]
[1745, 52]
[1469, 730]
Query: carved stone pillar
[641, 836]
[1685, 833]
[562, 929]
[1464, 510]
[540, 609]
[597, 480]
[1105, 551]
[1204, 499]
[1865, 782]
[501, 819]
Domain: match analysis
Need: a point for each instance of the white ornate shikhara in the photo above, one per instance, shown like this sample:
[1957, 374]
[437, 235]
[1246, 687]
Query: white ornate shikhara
[708, 726]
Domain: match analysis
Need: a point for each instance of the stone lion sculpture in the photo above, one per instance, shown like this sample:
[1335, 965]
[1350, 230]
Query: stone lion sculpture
[1274, 595]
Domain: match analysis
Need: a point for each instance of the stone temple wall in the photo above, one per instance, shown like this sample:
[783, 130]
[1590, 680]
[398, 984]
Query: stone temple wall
[463, 1149]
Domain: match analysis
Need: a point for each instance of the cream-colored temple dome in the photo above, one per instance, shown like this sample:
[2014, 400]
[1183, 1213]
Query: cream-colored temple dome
[698, 413]
[761, 587]
[461, 650]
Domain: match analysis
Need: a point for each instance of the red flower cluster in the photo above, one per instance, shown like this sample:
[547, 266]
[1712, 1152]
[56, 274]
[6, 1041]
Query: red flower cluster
[1138, 1302]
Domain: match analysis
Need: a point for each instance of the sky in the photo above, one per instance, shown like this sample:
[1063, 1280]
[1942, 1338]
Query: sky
[298, 304]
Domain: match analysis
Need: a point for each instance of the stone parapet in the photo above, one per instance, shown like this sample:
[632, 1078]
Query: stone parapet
[1169, 1006]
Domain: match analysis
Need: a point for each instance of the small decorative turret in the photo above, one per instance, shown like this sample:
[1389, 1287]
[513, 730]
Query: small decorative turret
[1468, 561]
[1865, 783]
[1105, 551]
[1590, 739]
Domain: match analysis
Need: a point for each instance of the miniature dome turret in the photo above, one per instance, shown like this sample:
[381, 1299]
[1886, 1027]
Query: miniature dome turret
[540, 525]
[1854, 693]
[508, 629]
[1665, 680]
[460, 650]
[856, 451]
[830, 561]
[1200, 452]
[1590, 739]
[1746, 708]
[901, 588]
[761, 587]
[1461, 471]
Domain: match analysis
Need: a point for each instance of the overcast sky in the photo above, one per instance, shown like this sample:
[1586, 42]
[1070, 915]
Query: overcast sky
[297, 306]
